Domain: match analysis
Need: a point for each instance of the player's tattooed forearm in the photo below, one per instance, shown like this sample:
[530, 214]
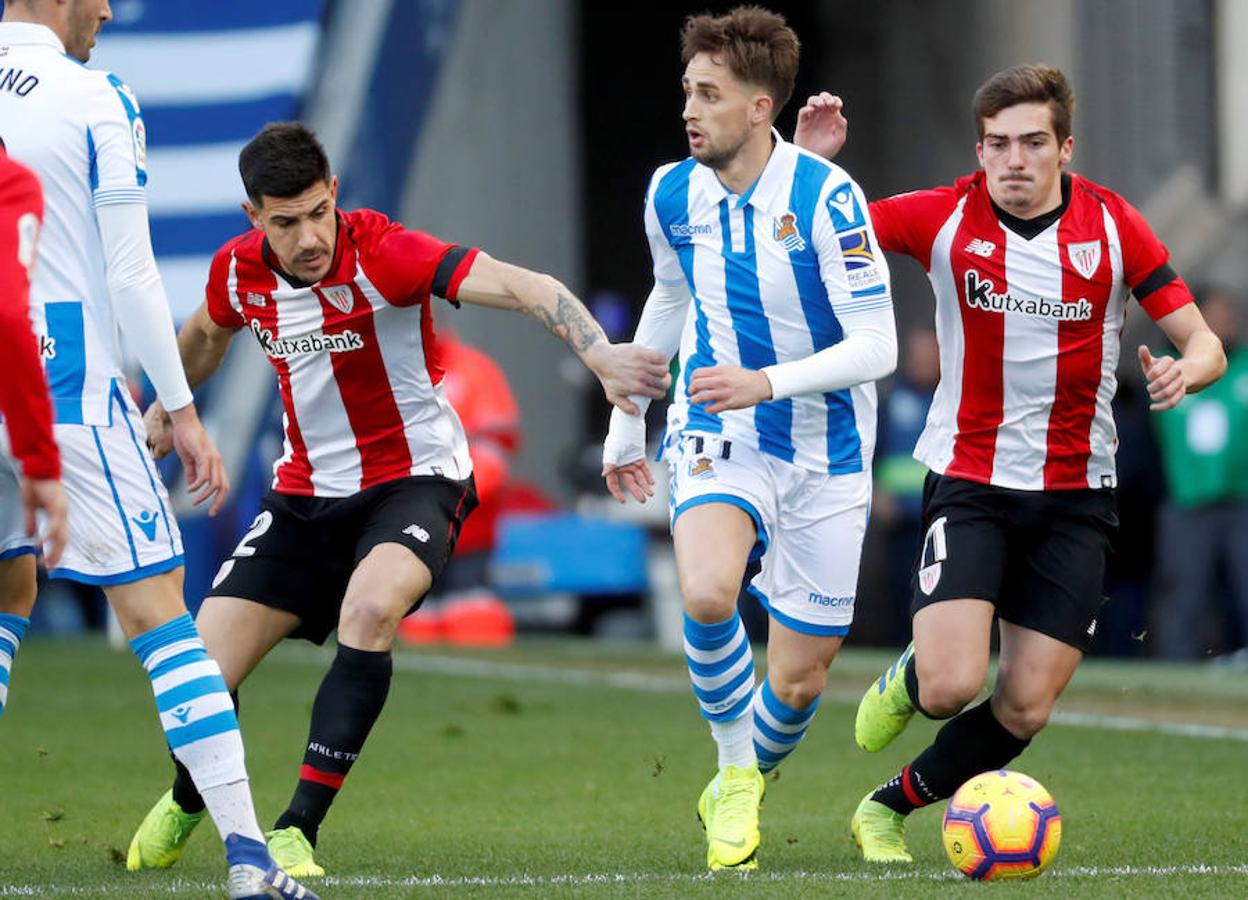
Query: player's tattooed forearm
[571, 322]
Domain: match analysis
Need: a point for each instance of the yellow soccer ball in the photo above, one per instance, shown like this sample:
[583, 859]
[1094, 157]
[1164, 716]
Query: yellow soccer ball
[1001, 824]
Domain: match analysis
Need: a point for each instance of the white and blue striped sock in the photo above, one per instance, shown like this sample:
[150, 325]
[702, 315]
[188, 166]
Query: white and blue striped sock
[12, 630]
[200, 724]
[778, 727]
[721, 667]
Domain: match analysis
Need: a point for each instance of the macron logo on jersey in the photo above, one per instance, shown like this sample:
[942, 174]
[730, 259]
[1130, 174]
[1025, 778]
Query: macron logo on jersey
[684, 229]
[980, 294]
[282, 348]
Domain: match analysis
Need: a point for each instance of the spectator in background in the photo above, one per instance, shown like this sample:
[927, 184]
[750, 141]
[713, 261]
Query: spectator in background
[898, 502]
[1204, 522]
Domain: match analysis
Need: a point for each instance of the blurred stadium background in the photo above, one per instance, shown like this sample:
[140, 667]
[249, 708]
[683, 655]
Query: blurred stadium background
[530, 129]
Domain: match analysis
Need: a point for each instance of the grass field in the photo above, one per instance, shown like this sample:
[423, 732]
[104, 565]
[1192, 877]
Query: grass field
[571, 769]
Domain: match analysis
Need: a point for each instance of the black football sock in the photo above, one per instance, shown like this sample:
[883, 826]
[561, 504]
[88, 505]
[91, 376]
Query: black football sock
[971, 742]
[185, 793]
[349, 700]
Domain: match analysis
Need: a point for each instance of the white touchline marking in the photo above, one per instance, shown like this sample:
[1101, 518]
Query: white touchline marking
[617, 878]
[638, 681]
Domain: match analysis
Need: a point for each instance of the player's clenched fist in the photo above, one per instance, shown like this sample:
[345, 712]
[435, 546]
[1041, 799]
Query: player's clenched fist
[1167, 383]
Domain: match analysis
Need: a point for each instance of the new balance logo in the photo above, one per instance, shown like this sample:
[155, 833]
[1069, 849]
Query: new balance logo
[417, 532]
[981, 247]
[146, 521]
[182, 713]
[256, 299]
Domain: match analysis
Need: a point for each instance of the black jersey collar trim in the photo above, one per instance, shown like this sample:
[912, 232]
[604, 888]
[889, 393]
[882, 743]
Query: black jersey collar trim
[1029, 228]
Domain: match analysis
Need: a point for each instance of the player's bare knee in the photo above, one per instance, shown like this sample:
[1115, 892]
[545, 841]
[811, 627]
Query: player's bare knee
[945, 694]
[1023, 720]
[708, 602]
[371, 618]
[798, 690]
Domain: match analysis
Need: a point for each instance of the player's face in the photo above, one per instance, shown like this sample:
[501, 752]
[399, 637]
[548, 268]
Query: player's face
[301, 230]
[85, 18]
[1023, 159]
[718, 111]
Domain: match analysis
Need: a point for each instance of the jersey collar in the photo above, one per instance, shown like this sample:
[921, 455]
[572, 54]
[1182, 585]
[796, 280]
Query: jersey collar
[26, 33]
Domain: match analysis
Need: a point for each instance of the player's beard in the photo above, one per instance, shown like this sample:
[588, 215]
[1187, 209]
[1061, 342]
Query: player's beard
[719, 156]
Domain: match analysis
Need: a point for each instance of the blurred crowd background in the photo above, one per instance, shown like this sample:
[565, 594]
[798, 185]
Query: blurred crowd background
[530, 128]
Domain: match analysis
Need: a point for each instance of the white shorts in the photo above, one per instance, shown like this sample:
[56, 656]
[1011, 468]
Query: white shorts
[13, 539]
[120, 525]
[811, 553]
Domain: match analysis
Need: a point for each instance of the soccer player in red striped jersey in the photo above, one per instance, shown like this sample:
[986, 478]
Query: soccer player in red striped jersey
[376, 478]
[30, 465]
[1031, 267]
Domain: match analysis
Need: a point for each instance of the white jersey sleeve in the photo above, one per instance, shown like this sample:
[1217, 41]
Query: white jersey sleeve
[117, 139]
[667, 270]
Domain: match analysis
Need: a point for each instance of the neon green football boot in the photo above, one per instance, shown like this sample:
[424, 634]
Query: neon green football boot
[728, 810]
[292, 851]
[162, 835]
[879, 832]
[885, 708]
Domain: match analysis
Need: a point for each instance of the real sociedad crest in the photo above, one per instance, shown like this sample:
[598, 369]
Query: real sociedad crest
[784, 230]
[341, 298]
[1085, 257]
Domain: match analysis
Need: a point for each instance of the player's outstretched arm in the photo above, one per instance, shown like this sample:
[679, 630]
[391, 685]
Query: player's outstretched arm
[821, 125]
[623, 369]
[1202, 360]
[202, 344]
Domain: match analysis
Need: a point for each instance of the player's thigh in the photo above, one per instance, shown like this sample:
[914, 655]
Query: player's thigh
[407, 533]
[1057, 573]
[294, 558]
[238, 633]
[809, 576]
[147, 602]
[14, 541]
[723, 510]
[120, 524]
[17, 584]
[1033, 670]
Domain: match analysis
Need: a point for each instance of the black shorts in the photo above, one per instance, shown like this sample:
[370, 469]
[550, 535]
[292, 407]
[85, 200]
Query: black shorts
[300, 552]
[1038, 556]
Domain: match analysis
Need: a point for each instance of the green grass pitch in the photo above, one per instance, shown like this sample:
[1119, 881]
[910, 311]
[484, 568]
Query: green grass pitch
[571, 769]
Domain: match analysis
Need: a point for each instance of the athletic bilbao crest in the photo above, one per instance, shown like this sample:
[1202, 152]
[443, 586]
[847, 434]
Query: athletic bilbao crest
[340, 298]
[1085, 257]
[785, 232]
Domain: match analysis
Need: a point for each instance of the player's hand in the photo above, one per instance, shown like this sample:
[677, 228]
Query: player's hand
[47, 495]
[159, 430]
[1167, 381]
[728, 387]
[626, 369]
[821, 125]
[634, 478]
[205, 469]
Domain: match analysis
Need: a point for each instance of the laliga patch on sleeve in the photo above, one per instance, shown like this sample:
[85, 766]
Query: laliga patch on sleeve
[857, 250]
[846, 212]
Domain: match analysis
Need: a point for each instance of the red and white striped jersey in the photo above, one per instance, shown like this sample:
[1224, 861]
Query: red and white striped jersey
[1029, 318]
[356, 356]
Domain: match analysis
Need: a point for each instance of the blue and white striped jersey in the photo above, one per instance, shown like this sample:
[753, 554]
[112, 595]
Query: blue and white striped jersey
[81, 132]
[773, 273]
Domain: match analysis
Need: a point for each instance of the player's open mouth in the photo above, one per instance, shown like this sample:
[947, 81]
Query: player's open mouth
[696, 138]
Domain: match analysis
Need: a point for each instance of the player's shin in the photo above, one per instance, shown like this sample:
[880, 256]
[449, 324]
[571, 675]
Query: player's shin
[721, 667]
[12, 630]
[347, 705]
[971, 742]
[200, 724]
[778, 727]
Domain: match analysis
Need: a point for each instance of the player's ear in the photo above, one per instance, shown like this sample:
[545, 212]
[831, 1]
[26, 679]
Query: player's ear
[253, 214]
[762, 109]
[333, 188]
[1066, 151]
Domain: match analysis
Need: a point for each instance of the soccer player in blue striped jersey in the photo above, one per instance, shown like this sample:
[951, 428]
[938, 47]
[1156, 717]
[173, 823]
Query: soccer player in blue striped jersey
[82, 133]
[768, 281]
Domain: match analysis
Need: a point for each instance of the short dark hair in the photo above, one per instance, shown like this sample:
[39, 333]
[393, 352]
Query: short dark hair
[1033, 83]
[756, 45]
[283, 160]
